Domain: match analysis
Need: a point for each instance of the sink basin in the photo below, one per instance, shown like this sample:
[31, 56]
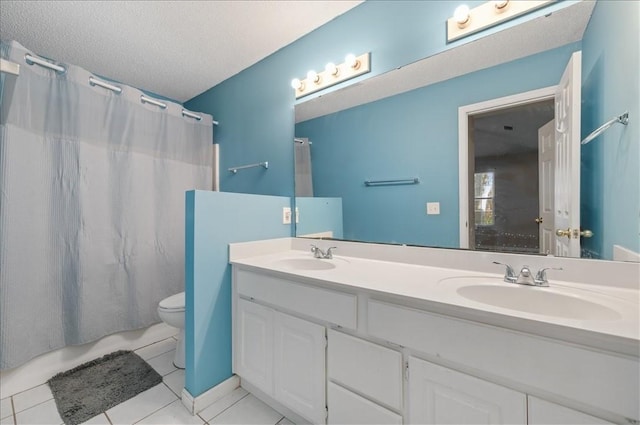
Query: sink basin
[304, 264]
[545, 301]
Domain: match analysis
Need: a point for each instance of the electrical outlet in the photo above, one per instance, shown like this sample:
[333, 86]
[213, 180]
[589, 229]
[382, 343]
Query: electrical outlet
[433, 208]
[286, 215]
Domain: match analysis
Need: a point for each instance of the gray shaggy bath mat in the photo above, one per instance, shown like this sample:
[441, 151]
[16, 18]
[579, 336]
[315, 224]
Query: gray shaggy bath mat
[94, 387]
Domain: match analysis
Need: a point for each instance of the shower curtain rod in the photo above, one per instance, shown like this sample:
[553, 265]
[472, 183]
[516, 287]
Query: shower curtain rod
[622, 119]
[30, 60]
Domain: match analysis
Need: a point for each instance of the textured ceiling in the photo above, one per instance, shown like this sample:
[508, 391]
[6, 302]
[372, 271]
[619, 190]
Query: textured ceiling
[174, 48]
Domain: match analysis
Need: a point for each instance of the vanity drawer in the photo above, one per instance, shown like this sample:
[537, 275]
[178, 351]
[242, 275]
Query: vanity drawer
[346, 407]
[365, 367]
[573, 372]
[323, 304]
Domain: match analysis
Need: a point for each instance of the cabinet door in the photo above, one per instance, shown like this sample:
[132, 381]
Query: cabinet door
[438, 395]
[254, 346]
[544, 412]
[300, 366]
[347, 408]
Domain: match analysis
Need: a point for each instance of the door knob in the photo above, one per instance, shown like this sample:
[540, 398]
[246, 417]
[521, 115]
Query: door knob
[575, 233]
[538, 220]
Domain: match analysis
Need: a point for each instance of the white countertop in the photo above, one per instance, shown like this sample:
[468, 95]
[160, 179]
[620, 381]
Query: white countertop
[431, 288]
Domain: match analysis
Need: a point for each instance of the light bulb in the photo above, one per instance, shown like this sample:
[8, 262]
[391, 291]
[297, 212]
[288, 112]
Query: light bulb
[500, 4]
[313, 76]
[352, 61]
[331, 69]
[297, 84]
[462, 14]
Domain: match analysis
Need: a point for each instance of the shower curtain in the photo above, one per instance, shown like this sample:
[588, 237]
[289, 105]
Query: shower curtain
[92, 192]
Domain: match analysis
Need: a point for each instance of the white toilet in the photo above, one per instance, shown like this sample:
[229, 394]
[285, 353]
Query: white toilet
[171, 311]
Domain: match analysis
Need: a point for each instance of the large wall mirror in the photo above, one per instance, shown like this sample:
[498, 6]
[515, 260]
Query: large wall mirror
[384, 161]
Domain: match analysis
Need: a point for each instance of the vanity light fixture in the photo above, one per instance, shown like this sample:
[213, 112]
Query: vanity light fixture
[467, 21]
[353, 66]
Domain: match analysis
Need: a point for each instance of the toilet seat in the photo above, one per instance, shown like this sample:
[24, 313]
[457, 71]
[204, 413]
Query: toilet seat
[174, 303]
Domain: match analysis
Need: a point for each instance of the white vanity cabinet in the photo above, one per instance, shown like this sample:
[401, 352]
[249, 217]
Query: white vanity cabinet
[283, 356]
[439, 395]
[388, 362]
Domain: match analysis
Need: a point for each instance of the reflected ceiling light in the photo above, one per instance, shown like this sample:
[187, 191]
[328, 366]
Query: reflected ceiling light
[353, 66]
[332, 69]
[461, 15]
[467, 21]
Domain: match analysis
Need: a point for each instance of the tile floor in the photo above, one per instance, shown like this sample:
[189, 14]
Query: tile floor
[158, 405]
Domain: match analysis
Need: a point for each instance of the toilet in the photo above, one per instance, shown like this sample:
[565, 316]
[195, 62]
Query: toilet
[171, 311]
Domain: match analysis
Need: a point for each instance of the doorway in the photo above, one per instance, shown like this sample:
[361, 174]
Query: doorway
[490, 153]
[505, 174]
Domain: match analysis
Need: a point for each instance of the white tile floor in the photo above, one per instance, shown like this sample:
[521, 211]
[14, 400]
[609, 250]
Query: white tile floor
[158, 405]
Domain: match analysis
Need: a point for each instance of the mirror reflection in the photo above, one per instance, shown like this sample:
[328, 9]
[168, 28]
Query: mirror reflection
[462, 161]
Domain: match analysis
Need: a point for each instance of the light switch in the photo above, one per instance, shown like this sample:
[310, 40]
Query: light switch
[286, 215]
[297, 215]
[433, 208]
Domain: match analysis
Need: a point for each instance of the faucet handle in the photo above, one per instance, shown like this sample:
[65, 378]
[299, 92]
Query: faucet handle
[329, 253]
[509, 275]
[541, 276]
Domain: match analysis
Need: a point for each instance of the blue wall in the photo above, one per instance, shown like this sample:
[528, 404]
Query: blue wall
[413, 134]
[319, 215]
[256, 113]
[610, 192]
[255, 108]
[213, 220]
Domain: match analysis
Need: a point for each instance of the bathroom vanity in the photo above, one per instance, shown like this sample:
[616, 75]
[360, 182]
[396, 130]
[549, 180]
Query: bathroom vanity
[390, 335]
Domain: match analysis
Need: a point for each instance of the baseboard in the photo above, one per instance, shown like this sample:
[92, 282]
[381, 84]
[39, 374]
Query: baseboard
[196, 404]
[38, 370]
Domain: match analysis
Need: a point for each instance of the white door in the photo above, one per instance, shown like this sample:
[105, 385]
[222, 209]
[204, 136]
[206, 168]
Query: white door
[438, 395]
[300, 379]
[254, 345]
[567, 169]
[546, 169]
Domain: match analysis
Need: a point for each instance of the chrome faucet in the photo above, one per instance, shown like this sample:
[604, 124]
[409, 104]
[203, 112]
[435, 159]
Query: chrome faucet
[525, 277]
[319, 253]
